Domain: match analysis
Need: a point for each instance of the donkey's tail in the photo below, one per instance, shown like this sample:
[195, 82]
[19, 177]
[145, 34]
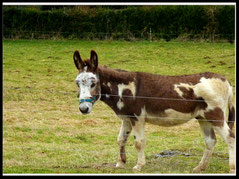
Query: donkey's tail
[231, 117]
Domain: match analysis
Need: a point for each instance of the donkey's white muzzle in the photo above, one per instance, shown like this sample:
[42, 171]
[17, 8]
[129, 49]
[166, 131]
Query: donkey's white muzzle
[85, 107]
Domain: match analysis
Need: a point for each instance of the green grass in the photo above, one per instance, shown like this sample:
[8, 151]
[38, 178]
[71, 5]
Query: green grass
[43, 131]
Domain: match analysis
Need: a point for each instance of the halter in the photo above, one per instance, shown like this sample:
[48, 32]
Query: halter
[90, 100]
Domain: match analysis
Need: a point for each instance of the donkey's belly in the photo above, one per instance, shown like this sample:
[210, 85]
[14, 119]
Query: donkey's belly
[169, 118]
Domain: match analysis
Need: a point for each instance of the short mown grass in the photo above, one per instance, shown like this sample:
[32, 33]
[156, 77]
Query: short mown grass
[43, 131]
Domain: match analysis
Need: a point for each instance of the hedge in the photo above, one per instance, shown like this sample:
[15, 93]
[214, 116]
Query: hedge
[133, 22]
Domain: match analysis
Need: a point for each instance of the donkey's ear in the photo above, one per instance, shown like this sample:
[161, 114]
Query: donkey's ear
[94, 59]
[78, 61]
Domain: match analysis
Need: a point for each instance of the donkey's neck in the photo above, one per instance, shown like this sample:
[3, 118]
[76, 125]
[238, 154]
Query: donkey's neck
[110, 79]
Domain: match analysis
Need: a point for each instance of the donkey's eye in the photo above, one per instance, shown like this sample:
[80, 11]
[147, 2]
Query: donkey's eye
[92, 85]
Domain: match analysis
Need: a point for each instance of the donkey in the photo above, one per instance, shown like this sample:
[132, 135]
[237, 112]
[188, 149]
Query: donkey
[138, 97]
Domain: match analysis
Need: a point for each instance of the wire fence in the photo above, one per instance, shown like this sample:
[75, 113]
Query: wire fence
[181, 100]
[112, 95]
[13, 33]
[108, 33]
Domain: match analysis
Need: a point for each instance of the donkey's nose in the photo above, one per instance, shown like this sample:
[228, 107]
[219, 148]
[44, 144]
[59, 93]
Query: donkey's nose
[84, 110]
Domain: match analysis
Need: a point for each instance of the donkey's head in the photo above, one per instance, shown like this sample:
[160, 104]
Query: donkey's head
[87, 81]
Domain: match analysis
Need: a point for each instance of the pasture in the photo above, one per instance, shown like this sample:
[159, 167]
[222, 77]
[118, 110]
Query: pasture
[44, 132]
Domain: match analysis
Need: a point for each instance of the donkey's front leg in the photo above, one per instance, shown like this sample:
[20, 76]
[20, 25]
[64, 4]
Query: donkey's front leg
[125, 130]
[138, 129]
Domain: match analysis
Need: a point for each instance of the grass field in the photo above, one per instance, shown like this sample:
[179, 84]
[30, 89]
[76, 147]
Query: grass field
[43, 131]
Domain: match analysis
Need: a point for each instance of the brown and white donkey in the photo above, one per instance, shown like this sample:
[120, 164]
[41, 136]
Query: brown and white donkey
[138, 97]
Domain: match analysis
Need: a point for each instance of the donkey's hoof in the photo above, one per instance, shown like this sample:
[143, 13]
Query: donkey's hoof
[232, 170]
[119, 165]
[137, 168]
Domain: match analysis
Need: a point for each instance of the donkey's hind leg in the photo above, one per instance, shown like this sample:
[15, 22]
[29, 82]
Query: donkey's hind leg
[210, 141]
[226, 133]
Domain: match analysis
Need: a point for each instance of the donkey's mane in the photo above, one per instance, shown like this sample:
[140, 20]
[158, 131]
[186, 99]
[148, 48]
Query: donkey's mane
[111, 69]
[115, 74]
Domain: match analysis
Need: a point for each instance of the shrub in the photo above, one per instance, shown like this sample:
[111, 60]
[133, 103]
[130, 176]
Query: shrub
[132, 22]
